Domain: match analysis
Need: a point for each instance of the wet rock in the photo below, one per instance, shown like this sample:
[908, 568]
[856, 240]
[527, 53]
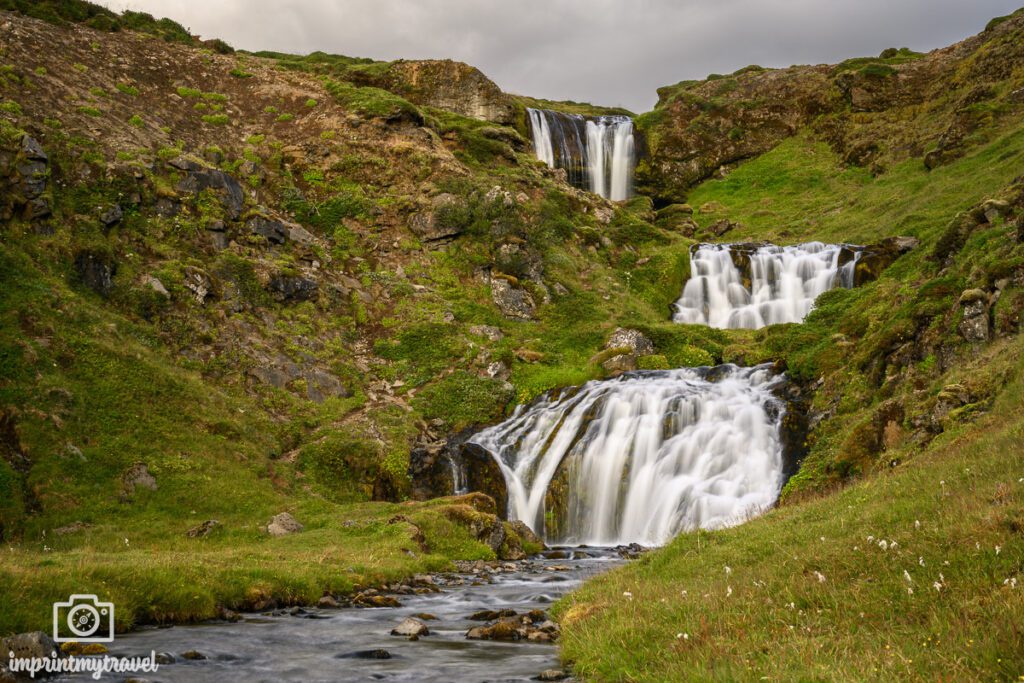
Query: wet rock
[379, 653]
[35, 644]
[506, 629]
[876, 257]
[228, 615]
[328, 602]
[491, 615]
[203, 530]
[367, 600]
[193, 656]
[283, 524]
[293, 288]
[552, 675]
[974, 325]
[425, 616]
[411, 628]
[138, 476]
[483, 474]
[513, 301]
[95, 271]
[165, 658]
[526, 533]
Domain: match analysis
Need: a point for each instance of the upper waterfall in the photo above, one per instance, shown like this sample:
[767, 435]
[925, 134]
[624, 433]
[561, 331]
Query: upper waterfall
[750, 286]
[646, 455]
[597, 153]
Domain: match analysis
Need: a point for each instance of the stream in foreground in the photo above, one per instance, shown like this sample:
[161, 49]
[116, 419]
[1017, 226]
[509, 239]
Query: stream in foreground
[355, 644]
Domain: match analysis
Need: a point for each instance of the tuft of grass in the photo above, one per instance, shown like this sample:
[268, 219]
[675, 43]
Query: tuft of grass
[136, 121]
[216, 119]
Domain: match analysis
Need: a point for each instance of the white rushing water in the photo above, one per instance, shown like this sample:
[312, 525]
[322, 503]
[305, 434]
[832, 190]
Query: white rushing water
[776, 284]
[596, 153]
[645, 455]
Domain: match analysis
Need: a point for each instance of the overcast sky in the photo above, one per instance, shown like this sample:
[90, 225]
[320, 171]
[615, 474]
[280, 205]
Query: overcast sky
[610, 52]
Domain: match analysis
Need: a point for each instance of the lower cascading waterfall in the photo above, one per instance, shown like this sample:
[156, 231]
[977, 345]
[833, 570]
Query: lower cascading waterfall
[644, 456]
[750, 286]
[597, 153]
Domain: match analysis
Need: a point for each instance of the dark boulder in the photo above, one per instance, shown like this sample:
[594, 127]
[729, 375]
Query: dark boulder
[293, 288]
[274, 231]
[199, 177]
[96, 271]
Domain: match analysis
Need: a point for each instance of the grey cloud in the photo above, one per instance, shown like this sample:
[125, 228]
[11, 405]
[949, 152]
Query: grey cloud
[611, 52]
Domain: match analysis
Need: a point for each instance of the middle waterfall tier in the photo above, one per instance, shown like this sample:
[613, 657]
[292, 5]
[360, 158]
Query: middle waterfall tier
[596, 153]
[753, 285]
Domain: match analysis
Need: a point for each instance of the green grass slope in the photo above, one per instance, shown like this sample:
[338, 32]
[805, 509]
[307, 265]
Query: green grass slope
[915, 574]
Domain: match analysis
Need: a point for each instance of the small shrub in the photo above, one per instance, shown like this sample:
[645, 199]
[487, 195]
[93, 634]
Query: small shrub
[216, 119]
[239, 72]
[285, 117]
[311, 103]
[136, 121]
[11, 108]
[128, 89]
[90, 111]
[184, 91]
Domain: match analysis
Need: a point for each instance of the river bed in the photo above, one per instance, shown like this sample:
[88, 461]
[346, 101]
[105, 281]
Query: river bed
[348, 644]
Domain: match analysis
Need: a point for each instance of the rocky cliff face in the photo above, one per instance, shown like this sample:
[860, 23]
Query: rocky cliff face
[873, 112]
[444, 84]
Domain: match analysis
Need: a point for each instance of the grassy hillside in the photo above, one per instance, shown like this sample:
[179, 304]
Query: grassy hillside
[914, 574]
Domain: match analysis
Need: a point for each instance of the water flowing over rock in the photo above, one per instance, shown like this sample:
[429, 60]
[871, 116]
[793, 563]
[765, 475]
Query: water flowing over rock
[750, 286]
[644, 456]
[596, 153]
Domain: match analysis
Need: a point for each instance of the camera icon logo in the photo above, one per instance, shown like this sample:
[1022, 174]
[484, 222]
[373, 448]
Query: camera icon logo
[83, 619]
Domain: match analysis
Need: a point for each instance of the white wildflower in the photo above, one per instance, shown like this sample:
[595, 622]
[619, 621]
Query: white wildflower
[819, 576]
[910, 591]
[871, 539]
[920, 561]
[728, 591]
[728, 570]
[683, 593]
[917, 524]
[821, 538]
[682, 636]
[906, 576]
[883, 544]
[627, 594]
[893, 545]
[937, 586]
[998, 548]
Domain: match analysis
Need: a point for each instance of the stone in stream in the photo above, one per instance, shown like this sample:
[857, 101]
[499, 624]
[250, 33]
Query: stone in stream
[193, 655]
[379, 653]
[412, 628]
[491, 615]
[552, 675]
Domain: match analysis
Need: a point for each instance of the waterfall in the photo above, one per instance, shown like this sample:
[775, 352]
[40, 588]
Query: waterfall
[597, 153]
[750, 286]
[646, 455]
